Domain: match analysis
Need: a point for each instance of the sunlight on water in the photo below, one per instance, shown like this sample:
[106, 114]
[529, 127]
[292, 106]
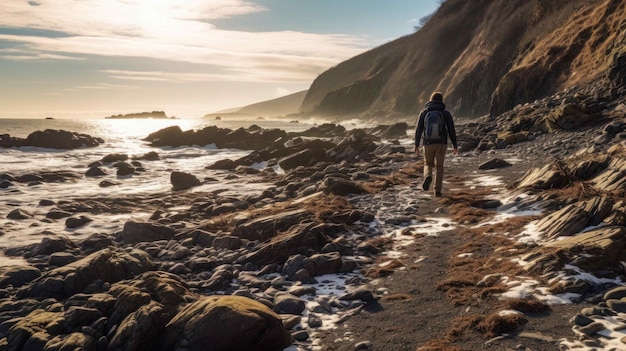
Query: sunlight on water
[120, 137]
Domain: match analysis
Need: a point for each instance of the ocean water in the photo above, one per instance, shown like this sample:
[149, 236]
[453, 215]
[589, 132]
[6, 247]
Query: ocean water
[120, 136]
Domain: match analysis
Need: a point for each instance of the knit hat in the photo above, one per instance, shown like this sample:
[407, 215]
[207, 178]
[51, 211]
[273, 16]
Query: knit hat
[436, 96]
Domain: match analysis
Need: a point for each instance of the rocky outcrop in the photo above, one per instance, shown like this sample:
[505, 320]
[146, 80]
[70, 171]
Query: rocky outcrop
[226, 323]
[502, 54]
[107, 265]
[53, 139]
[246, 139]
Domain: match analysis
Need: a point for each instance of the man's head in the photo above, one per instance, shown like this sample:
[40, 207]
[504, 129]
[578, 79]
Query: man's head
[436, 96]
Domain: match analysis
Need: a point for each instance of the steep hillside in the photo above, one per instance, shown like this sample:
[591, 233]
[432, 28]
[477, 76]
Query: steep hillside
[279, 107]
[485, 56]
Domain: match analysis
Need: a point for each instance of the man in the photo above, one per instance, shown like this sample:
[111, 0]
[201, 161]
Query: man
[435, 124]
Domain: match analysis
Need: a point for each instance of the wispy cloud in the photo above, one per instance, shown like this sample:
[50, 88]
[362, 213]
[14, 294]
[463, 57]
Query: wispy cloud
[173, 31]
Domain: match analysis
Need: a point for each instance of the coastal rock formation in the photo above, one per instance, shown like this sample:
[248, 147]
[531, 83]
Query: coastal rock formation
[487, 57]
[53, 139]
[225, 323]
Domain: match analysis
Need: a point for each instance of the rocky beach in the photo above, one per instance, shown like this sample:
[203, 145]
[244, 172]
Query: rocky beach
[337, 247]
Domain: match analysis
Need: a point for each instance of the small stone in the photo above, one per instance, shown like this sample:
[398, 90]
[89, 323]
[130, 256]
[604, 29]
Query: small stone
[301, 335]
[314, 321]
[581, 320]
[592, 328]
[363, 345]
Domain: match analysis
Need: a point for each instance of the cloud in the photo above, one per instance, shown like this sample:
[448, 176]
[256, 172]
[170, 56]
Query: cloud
[280, 91]
[14, 54]
[173, 31]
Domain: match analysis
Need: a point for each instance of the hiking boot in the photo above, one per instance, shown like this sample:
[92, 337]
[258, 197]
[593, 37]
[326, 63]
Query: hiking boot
[426, 183]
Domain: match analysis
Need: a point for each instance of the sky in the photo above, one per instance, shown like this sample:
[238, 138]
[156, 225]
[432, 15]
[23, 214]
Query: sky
[95, 58]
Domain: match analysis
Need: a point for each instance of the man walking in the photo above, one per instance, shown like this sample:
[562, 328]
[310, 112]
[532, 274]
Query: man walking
[435, 124]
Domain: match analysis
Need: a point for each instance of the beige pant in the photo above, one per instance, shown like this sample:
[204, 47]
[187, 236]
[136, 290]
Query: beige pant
[434, 155]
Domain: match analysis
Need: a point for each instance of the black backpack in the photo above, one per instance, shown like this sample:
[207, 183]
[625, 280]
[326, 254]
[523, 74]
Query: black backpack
[434, 128]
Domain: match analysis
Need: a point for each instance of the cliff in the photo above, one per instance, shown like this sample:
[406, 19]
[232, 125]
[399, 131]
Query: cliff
[485, 56]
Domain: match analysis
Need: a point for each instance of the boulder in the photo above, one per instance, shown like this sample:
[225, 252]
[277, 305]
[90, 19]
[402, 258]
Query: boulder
[124, 169]
[73, 341]
[394, 131]
[264, 228]
[326, 130]
[227, 242]
[170, 136]
[19, 214]
[569, 116]
[57, 213]
[307, 237]
[140, 330]
[74, 222]
[106, 265]
[613, 177]
[595, 250]
[306, 157]
[18, 275]
[494, 163]
[548, 177]
[286, 303]
[183, 181]
[572, 219]
[61, 139]
[111, 158]
[95, 172]
[341, 186]
[135, 232]
[225, 323]
[35, 329]
[150, 156]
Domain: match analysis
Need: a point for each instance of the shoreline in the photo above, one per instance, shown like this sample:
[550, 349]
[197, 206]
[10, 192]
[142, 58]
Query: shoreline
[321, 218]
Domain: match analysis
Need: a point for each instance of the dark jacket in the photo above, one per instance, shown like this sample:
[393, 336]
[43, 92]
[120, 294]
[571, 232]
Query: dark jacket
[449, 123]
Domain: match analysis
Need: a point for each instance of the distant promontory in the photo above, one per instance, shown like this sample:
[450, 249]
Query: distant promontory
[153, 114]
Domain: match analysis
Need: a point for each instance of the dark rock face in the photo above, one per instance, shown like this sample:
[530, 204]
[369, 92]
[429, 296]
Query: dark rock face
[53, 139]
[251, 139]
[396, 79]
[183, 181]
[227, 323]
